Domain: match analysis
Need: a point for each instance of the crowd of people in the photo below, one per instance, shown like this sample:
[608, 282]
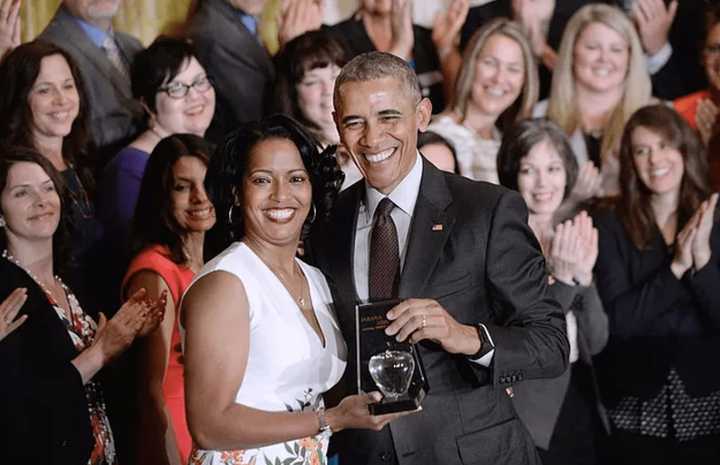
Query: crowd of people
[186, 230]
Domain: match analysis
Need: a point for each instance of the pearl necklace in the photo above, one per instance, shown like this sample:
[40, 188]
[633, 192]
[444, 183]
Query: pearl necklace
[8, 256]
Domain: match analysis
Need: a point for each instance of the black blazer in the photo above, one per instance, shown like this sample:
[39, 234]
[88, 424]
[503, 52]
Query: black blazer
[484, 266]
[42, 399]
[656, 320]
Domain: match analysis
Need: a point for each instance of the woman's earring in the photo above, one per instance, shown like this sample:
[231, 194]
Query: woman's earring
[313, 215]
[230, 214]
[2, 222]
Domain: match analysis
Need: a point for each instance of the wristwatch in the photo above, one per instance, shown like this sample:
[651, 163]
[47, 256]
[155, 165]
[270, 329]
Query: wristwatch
[324, 425]
[486, 343]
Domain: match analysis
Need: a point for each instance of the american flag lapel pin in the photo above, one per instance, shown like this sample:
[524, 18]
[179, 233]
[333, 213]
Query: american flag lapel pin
[437, 227]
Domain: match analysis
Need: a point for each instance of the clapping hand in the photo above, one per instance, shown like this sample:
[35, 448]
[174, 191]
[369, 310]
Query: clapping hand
[705, 119]
[154, 314]
[139, 315]
[403, 37]
[9, 25]
[9, 309]
[692, 245]
[297, 17]
[654, 19]
[447, 25]
[574, 250]
[588, 183]
[535, 16]
[588, 245]
[564, 252]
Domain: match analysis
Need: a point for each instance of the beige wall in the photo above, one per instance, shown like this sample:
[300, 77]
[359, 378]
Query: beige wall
[144, 19]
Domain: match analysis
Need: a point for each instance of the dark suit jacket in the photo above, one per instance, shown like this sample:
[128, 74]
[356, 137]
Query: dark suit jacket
[657, 321]
[114, 115]
[241, 68]
[483, 266]
[42, 399]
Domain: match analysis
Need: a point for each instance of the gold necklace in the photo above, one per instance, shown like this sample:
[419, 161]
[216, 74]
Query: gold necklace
[299, 299]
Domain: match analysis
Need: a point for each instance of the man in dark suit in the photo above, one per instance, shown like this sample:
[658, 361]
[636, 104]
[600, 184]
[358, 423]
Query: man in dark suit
[225, 36]
[84, 29]
[466, 263]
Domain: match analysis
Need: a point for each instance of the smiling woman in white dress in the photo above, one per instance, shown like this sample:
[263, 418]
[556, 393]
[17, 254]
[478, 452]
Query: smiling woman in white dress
[262, 341]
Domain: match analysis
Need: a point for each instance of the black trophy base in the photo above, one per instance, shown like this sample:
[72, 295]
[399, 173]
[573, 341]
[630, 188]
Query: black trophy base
[405, 403]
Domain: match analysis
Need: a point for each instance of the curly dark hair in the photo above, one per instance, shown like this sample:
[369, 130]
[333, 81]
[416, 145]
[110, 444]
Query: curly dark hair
[12, 155]
[18, 72]
[521, 138]
[228, 166]
[634, 207]
[153, 221]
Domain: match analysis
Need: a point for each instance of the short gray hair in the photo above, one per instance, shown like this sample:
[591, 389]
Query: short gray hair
[378, 65]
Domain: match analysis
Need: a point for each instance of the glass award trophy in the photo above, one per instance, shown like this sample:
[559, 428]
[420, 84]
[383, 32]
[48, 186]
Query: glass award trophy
[393, 368]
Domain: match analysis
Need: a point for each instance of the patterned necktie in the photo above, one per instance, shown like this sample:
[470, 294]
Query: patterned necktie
[112, 51]
[384, 269]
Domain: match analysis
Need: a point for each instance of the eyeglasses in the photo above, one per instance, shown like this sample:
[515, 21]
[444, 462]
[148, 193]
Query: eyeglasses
[178, 90]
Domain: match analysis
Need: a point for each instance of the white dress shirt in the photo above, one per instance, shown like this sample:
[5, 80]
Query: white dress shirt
[404, 196]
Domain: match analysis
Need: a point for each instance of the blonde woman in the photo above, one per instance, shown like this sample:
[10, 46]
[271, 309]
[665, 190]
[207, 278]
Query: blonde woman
[497, 85]
[601, 78]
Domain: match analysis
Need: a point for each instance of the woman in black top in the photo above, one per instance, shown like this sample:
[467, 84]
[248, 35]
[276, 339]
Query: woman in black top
[658, 274]
[53, 411]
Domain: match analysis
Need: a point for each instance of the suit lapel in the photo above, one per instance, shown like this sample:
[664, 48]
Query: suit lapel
[78, 40]
[429, 230]
[343, 241]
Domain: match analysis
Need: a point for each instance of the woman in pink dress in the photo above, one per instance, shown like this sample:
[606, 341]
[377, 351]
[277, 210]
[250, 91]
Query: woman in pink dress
[173, 212]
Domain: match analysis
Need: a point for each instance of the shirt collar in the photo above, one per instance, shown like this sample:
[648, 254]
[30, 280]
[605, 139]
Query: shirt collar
[249, 21]
[405, 194]
[96, 35]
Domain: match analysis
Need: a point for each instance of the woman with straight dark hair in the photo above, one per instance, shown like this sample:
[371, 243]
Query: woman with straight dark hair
[53, 409]
[42, 106]
[168, 233]
[657, 273]
[306, 70]
[562, 414]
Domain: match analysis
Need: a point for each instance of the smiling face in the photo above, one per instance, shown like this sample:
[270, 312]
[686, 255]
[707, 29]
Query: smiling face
[190, 114]
[276, 193]
[499, 75]
[542, 179]
[53, 100]
[711, 56]
[191, 208]
[658, 164]
[29, 204]
[378, 121]
[601, 57]
[315, 95]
